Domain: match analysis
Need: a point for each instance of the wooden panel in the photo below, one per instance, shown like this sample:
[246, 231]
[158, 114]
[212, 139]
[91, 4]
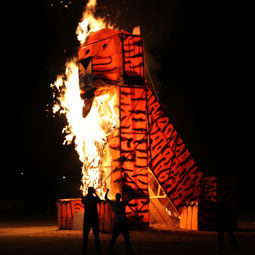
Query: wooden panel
[189, 216]
[134, 151]
[133, 59]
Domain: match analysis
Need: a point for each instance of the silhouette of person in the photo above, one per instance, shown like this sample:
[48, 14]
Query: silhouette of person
[90, 202]
[120, 225]
[225, 223]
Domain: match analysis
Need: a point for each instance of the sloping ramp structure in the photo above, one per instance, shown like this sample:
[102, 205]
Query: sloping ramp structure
[149, 141]
[170, 160]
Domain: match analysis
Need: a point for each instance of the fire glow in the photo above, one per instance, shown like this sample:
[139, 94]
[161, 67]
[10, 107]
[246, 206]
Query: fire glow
[90, 133]
[89, 23]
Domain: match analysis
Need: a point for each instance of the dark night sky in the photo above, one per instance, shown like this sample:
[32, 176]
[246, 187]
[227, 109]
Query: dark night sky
[193, 51]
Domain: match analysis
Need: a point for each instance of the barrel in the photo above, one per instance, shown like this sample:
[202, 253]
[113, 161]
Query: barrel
[66, 211]
[69, 208]
[106, 216]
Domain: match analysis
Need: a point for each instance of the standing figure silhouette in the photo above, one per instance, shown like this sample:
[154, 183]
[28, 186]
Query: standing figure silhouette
[90, 202]
[225, 223]
[120, 225]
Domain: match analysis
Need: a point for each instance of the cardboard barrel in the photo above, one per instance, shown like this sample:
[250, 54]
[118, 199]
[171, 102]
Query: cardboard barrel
[66, 211]
[106, 217]
[71, 213]
[189, 216]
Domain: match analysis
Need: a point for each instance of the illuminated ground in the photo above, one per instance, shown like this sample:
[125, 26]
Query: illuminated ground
[44, 238]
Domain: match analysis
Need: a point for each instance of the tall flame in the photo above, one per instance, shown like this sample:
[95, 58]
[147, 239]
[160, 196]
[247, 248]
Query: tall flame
[90, 133]
[89, 22]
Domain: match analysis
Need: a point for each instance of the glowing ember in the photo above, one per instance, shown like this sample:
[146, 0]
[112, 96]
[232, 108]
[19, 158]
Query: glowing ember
[89, 133]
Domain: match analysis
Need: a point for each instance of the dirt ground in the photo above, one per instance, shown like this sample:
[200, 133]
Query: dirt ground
[36, 238]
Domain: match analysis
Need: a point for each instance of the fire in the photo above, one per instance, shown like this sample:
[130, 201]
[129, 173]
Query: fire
[89, 23]
[90, 133]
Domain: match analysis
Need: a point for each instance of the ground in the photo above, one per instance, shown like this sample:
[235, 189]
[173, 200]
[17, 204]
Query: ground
[40, 236]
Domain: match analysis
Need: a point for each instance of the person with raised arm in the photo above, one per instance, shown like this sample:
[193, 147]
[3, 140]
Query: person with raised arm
[120, 225]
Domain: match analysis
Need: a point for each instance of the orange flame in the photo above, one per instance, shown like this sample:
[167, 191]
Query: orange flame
[89, 23]
[90, 133]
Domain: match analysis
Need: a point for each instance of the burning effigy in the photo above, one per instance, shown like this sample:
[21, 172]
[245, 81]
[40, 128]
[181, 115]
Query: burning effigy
[124, 138]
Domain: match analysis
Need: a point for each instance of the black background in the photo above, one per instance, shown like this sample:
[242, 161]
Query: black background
[195, 52]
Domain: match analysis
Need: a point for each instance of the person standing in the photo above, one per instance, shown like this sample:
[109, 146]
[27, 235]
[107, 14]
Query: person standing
[225, 223]
[90, 202]
[120, 225]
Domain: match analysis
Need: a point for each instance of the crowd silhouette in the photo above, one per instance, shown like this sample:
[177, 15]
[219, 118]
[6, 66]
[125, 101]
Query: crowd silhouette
[90, 202]
[223, 215]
